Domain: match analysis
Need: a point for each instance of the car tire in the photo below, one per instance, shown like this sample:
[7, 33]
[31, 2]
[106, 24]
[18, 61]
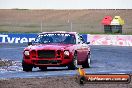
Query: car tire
[73, 64]
[43, 68]
[87, 62]
[26, 67]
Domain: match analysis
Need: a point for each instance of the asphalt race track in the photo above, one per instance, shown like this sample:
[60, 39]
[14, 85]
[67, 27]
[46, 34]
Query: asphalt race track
[104, 59]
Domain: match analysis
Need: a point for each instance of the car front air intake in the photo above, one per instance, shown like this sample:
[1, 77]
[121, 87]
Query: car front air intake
[46, 54]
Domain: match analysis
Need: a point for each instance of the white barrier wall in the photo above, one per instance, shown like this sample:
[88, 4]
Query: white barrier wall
[117, 40]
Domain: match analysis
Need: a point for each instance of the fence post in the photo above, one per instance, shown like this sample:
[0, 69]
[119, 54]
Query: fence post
[71, 26]
[41, 30]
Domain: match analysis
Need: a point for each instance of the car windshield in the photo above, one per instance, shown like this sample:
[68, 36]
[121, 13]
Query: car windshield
[56, 38]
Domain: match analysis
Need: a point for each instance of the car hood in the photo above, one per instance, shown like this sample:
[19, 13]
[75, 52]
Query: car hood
[50, 46]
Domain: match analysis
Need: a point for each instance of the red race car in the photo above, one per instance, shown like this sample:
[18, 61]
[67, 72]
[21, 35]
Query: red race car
[52, 49]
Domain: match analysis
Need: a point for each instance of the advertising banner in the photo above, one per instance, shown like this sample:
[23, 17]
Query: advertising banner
[17, 38]
[22, 37]
[118, 40]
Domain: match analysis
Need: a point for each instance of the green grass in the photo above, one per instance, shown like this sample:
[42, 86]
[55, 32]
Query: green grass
[129, 33]
[80, 33]
[19, 32]
[19, 9]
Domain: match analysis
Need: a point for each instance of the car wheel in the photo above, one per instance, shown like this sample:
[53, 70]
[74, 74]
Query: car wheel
[43, 68]
[73, 64]
[26, 67]
[87, 62]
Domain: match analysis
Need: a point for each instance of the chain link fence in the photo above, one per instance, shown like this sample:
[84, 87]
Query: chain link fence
[48, 27]
[83, 21]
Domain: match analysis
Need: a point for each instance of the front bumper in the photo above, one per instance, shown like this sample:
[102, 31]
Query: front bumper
[48, 62]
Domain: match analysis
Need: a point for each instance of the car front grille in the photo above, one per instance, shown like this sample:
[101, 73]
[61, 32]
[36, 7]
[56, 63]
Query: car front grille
[46, 54]
[49, 61]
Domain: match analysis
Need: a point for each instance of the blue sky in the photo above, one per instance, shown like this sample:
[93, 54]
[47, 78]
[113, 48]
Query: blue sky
[66, 4]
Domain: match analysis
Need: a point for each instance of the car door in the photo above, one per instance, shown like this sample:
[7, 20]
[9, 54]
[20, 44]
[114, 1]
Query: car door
[82, 48]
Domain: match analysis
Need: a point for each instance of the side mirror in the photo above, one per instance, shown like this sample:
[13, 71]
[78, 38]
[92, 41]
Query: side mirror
[29, 43]
[87, 42]
[82, 38]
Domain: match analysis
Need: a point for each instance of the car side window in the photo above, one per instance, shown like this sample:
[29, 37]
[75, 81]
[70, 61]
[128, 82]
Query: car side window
[80, 41]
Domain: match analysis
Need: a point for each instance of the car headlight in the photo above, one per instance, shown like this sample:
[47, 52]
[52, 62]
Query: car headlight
[26, 53]
[66, 53]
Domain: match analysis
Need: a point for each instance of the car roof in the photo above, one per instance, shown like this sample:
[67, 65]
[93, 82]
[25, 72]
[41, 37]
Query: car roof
[59, 32]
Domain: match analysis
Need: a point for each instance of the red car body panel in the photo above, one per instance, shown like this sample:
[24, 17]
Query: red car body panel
[56, 55]
[56, 47]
